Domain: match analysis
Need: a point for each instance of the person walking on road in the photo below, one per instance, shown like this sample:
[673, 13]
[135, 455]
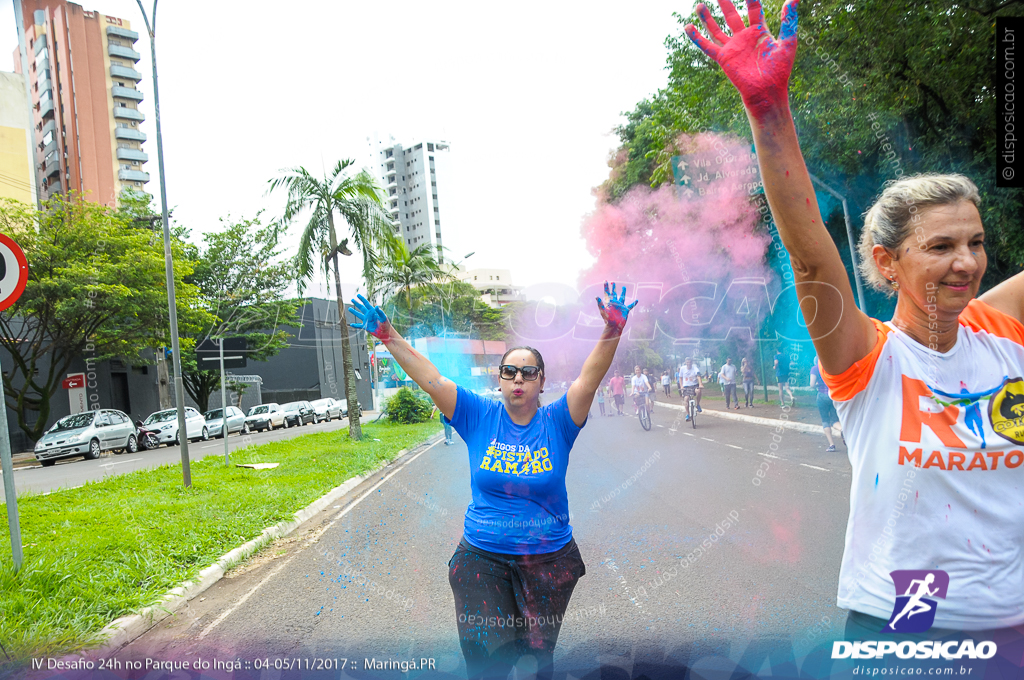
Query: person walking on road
[727, 377]
[923, 241]
[666, 384]
[517, 564]
[600, 399]
[826, 408]
[782, 377]
[747, 373]
[618, 385]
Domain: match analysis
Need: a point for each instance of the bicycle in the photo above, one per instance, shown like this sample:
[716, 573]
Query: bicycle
[640, 401]
[691, 405]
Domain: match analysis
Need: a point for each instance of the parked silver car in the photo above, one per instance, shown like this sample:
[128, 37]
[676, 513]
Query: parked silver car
[87, 434]
[236, 421]
[165, 424]
[266, 417]
[328, 409]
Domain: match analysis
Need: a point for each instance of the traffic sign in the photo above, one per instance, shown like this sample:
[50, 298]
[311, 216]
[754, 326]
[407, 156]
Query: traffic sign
[208, 353]
[13, 272]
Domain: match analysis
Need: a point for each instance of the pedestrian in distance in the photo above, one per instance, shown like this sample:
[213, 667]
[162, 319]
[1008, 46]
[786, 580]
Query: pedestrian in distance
[517, 561]
[447, 426]
[924, 454]
[666, 383]
[747, 373]
[727, 377]
[600, 399]
[618, 388]
[782, 377]
[826, 408]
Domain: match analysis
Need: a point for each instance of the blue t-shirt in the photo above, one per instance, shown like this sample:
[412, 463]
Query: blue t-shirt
[517, 473]
[782, 370]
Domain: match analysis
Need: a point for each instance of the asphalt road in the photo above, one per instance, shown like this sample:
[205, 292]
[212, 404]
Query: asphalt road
[73, 472]
[649, 599]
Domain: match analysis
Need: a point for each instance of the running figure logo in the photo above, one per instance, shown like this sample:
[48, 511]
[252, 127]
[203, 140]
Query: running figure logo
[914, 611]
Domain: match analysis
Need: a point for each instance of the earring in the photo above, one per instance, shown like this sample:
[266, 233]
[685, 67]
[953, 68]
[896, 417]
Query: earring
[894, 283]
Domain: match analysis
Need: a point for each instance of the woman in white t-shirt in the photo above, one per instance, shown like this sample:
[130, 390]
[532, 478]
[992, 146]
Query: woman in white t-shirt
[931, 402]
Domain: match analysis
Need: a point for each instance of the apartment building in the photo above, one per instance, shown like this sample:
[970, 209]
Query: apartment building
[409, 177]
[84, 88]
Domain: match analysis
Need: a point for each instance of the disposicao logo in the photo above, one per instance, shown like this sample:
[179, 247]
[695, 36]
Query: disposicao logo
[914, 611]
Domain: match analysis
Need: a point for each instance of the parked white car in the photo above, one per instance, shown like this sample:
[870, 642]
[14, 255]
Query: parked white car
[87, 434]
[236, 421]
[165, 424]
[265, 417]
[329, 408]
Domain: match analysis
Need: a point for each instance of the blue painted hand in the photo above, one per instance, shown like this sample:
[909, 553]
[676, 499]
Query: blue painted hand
[372, 319]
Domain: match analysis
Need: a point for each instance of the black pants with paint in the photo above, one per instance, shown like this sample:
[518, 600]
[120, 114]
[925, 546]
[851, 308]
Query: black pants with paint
[511, 606]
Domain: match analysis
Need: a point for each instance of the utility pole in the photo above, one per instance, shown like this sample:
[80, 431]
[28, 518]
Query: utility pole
[179, 386]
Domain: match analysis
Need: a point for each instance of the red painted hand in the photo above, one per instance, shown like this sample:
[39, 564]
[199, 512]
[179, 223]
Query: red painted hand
[757, 64]
[616, 311]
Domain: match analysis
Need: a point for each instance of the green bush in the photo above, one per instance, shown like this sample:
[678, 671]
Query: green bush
[405, 407]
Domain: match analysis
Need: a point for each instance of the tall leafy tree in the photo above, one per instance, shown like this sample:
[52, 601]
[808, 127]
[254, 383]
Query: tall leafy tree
[242, 282]
[359, 201]
[877, 86]
[452, 307]
[401, 270]
[96, 289]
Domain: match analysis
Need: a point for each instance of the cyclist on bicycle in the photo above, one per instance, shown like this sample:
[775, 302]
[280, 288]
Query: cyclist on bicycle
[692, 385]
[641, 386]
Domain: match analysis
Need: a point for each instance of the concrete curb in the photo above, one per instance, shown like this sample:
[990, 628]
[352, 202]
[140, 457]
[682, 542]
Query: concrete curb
[755, 420]
[120, 632]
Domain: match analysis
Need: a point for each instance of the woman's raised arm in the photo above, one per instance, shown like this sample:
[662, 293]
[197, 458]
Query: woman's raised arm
[581, 392]
[425, 374]
[759, 66]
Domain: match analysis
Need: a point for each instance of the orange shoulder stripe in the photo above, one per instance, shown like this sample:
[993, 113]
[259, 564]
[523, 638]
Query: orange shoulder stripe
[853, 380]
[981, 316]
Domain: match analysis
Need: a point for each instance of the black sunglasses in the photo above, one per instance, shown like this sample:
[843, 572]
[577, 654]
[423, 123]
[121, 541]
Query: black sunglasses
[508, 372]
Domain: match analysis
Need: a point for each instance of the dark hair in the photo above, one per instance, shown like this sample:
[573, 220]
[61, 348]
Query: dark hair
[536, 355]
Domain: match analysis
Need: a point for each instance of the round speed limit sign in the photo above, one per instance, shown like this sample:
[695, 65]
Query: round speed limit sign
[13, 272]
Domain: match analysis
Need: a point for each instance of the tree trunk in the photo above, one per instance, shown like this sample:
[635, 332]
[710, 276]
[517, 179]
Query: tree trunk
[355, 430]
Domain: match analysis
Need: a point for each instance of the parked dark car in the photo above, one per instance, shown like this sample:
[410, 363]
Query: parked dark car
[298, 413]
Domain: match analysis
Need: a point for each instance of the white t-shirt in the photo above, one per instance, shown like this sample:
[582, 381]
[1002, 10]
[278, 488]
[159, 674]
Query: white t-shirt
[689, 375]
[937, 483]
[664, 379]
[640, 383]
[728, 374]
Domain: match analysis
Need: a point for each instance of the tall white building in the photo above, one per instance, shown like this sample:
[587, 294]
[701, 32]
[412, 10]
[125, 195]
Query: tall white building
[409, 177]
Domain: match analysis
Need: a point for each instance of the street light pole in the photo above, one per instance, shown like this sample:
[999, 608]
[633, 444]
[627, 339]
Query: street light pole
[179, 386]
[849, 238]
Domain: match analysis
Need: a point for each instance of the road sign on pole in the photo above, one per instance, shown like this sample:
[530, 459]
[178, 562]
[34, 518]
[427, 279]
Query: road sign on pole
[13, 277]
[208, 354]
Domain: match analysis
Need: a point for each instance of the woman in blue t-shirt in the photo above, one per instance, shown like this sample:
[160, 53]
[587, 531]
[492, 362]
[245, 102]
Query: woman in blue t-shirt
[517, 564]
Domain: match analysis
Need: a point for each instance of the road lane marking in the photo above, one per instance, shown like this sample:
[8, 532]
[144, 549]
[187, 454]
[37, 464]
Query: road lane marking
[308, 542]
[768, 455]
[689, 434]
[707, 440]
[735, 447]
[815, 467]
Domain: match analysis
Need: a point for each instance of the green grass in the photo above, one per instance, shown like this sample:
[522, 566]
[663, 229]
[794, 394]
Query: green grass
[110, 548]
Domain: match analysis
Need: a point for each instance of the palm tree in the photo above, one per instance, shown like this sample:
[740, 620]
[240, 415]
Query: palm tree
[404, 269]
[360, 202]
